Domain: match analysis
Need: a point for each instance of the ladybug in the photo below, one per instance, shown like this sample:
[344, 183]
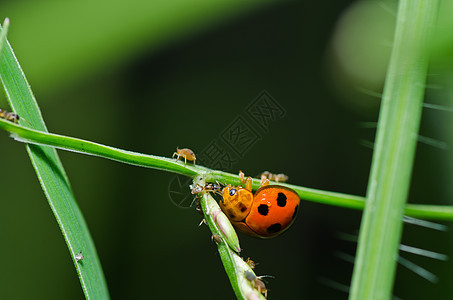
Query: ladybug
[265, 214]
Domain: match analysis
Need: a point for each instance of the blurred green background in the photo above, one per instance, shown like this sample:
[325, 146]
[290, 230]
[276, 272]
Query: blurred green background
[149, 76]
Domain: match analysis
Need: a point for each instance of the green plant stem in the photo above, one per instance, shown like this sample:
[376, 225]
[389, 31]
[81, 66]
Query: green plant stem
[86, 147]
[433, 212]
[234, 265]
[226, 253]
[399, 119]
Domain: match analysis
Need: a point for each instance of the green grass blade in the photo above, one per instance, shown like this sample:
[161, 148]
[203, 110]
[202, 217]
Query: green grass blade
[399, 120]
[3, 33]
[53, 180]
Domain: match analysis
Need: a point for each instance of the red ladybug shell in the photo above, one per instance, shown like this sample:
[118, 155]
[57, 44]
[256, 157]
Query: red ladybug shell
[273, 210]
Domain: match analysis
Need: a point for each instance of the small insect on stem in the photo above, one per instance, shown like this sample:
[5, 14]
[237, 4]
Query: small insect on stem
[79, 257]
[197, 189]
[256, 282]
[208, 187]
[216, 238]
[12, 117]
[9, 116]
[273, 177]
[251, 263]
[186, 153]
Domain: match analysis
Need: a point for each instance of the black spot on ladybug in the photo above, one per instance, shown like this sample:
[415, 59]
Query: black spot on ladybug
[281, 200]
[274, 228]
[295, 211]
[263, 209]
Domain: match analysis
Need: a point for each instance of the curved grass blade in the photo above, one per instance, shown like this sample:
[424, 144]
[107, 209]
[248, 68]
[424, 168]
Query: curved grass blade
[3, 33]
[53, 180]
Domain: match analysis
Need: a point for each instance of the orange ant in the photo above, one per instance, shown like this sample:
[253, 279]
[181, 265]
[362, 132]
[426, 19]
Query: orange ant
[186, 153]
[209, 187]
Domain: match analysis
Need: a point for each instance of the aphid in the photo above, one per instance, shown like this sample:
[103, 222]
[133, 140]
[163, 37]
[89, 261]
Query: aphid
[216, 238]
[79, 256]
[256, 282]
[265, 214]
[186, 153]
[9, 116]
[274, 177]
[251, 263]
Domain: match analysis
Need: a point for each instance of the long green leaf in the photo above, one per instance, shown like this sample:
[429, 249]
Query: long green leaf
[3, 33]
[53, 180]
[393, 158]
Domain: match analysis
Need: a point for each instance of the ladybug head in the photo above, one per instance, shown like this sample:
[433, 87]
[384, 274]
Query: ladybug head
[229, 193]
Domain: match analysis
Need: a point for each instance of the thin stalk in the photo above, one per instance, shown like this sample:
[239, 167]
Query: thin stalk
[234, 265]
[399, 119]
[433, 212]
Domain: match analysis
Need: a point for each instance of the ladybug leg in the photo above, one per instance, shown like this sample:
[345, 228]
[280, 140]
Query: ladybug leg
[241, 177]
[249, 183]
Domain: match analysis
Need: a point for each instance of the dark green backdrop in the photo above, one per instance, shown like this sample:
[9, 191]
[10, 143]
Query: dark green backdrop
[185, 91]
